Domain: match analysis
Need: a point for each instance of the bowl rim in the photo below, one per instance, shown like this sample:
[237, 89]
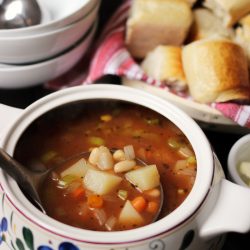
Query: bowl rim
[43, 70]
[23, 67]
[231, 160]
[166, 225]
[78, 14]
[79, 22]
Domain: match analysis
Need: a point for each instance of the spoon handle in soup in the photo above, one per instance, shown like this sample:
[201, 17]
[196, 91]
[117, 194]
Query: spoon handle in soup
[25, 179]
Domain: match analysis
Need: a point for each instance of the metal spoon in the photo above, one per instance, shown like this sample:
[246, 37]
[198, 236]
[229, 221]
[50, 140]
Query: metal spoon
[29, 181]
[19, 13]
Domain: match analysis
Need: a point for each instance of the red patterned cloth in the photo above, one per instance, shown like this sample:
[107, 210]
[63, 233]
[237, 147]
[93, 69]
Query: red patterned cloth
[109, 56]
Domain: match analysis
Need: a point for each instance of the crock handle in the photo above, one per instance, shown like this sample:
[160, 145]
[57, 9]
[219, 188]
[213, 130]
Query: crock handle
[7, 114]
[229, 207]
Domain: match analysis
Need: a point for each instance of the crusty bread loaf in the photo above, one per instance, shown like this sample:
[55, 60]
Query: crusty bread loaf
[164, 63]
[231, 11]
[216, 71]
[156, 22]
[207, 25]
[242, 35]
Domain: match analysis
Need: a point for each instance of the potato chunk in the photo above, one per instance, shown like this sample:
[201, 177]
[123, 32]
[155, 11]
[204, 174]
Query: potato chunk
[129, 215]
[100, 182]
[78, 169]
[144, 178]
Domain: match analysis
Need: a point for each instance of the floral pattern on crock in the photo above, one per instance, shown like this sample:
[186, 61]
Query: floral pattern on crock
[9, 238]
[12, 242]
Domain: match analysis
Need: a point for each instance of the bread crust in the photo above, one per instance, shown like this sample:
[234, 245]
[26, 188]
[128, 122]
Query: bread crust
[242, 35]
[231, 11]
[216, 71]
[206, 25]
[156, 22]
[164, 63]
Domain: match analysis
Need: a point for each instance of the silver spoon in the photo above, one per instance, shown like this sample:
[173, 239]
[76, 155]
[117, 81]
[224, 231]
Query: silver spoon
[19, 13]
[29, 181]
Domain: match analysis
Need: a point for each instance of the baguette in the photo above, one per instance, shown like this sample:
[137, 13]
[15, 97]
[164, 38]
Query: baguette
[216, 71]
[156, 22]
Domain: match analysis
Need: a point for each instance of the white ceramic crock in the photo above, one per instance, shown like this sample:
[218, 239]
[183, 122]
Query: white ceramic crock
[214, 206]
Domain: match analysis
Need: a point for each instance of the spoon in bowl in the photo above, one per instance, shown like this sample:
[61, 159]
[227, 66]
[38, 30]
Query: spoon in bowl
[19, 13]
[30, 181]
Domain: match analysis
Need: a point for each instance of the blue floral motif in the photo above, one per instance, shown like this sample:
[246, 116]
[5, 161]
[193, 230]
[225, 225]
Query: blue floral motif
[27, 239]
[3, 229]
[67, 246]
[44, 248]
[62, 246]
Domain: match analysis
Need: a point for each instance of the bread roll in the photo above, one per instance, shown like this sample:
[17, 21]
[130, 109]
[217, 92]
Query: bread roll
[156, 22]
[164, 63]
[229, 10]
[206, 25]
[191, 2]
[216, 71]
[242, 35]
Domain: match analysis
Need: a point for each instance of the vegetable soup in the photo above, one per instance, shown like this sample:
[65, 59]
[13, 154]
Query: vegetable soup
[83, 193]
[111, 190]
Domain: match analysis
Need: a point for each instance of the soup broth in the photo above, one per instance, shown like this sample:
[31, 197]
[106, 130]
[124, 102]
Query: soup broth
[69, 130]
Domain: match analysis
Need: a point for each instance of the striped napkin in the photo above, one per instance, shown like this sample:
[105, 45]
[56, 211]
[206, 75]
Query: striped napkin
[109, 56]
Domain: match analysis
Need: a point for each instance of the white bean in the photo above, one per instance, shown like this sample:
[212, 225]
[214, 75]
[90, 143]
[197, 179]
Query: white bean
[124, 166]
[119, 155]
[153, 192]
[105, 160]
[94, 156]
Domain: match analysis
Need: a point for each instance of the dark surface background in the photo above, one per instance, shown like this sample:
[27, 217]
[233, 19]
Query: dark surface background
[220, 141]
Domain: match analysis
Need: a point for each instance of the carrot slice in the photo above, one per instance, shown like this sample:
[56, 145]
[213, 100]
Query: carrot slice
[152, 207]
[78, 192]
[95, 201]
[139, 203]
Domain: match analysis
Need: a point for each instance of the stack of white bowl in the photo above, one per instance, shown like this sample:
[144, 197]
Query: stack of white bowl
[35, 54]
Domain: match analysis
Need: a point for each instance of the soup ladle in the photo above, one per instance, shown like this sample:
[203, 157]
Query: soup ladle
[19, 13]
[29, 181]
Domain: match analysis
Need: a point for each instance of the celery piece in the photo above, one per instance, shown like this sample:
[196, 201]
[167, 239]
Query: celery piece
[123, 194]
[97, 141]
[48, 156]
[173, 143]
[137, 133]
[152, 121]
[66, 180]
[191, 160]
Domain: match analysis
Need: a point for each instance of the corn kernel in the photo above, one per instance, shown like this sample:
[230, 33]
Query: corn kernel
[180, 191]
[106, 118]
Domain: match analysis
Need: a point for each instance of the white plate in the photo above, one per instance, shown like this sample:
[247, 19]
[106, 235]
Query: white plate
[12, 76]
[207, 116]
